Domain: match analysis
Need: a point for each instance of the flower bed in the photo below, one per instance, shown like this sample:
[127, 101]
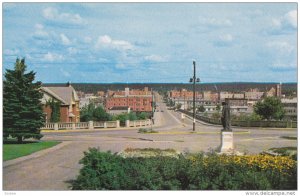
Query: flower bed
[104, 170]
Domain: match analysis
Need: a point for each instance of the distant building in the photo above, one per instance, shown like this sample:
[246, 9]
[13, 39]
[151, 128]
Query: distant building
[271, 92]
[135, 103]
[228, 95]
[136, 100]
[132, 92]
[210, 106]
[254, 94]
[208, 95]
[290, 108]
[278, 90]
[184, 94]
[275, 92]
[101, 93]
[67, 96]
[238, 106]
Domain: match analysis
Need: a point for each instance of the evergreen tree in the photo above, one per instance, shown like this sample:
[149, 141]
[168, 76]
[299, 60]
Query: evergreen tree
[22, 109]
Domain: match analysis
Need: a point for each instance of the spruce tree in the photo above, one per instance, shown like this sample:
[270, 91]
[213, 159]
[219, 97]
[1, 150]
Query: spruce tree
[22, 108]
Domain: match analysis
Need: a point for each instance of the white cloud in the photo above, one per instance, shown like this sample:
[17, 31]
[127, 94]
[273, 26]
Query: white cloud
[281, 47]
[155, 58]
[214, 22]
[65, 40]
[107, 42]
[284, 23]
[65, 73]
[53, 57]
[72, 50]
[282, 65]
[226, 38]
[87, 40]
[40, 33]
[52, 14]
[11, 52]
[290, 18]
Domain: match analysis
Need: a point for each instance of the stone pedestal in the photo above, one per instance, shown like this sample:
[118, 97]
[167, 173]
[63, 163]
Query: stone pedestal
[226, 142]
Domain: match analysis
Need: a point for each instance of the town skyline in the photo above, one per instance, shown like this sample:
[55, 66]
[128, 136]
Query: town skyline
[153, 42]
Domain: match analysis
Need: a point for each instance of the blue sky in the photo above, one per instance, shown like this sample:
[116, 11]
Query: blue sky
[152, 42]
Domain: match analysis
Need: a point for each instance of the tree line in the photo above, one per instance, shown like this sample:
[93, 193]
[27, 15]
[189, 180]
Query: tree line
[91, 112]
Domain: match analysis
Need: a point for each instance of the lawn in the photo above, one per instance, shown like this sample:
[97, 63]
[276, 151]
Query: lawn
[11, 150]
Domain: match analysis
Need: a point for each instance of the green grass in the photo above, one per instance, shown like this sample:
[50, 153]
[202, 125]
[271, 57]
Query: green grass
[11, 150]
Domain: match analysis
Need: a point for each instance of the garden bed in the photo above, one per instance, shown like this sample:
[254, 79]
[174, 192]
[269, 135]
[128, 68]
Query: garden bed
[104, 170]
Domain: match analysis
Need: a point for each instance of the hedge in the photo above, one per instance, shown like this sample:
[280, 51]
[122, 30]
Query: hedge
[108, 171]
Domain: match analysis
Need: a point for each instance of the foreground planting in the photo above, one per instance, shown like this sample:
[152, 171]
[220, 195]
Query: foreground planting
[107, 171]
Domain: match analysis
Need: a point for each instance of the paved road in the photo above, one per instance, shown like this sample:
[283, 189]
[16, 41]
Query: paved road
[53, 170]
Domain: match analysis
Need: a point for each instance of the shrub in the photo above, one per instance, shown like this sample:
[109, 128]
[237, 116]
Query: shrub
[104, 170]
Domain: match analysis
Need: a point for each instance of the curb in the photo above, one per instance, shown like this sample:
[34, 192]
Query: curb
[94, 130]
[35, 154]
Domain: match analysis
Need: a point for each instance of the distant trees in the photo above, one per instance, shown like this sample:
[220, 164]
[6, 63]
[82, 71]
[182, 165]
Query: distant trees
[269, 108]
[22, 109]
[201, 108]
[93, 113]
[178, 106]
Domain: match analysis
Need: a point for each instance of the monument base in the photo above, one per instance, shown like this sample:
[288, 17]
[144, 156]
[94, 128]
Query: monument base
[227, 142]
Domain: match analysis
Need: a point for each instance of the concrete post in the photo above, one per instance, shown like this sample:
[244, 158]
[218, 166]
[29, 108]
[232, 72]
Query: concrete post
[134, 124]
[127, 123]
[118, 123]
[55, 126]
[91, 125]
[73, 126]
[105, 125]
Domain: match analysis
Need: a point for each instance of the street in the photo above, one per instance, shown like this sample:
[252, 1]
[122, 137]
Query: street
[53, 170]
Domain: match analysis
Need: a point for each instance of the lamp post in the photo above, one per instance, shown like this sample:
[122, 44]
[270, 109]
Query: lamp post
[194, 80]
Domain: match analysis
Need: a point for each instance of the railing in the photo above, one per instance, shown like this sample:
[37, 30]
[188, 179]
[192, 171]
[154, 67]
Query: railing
[276, 124]
[95, 125]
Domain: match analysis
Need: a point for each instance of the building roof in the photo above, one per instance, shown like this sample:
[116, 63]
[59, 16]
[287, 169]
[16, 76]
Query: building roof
[65, 94]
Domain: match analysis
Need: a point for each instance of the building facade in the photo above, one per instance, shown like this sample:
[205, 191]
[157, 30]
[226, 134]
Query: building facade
[136, 100]
[68, 99]
[290, 108]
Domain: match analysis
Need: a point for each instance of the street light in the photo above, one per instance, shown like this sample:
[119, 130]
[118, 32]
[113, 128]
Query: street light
[194, 80]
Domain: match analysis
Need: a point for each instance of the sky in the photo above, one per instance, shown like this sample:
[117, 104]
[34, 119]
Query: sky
[152, 42]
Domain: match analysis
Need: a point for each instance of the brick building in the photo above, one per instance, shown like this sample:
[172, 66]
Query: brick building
[184, 94]
[210, 96]
[136, 100]
[67, 96]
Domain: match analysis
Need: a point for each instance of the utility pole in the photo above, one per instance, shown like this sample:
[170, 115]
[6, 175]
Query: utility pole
[152, 104]
[194, 80]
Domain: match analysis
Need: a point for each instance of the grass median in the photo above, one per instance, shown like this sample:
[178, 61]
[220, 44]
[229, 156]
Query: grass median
[12, 150]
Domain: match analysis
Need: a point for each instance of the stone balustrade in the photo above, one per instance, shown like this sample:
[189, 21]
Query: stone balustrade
[95, 125]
